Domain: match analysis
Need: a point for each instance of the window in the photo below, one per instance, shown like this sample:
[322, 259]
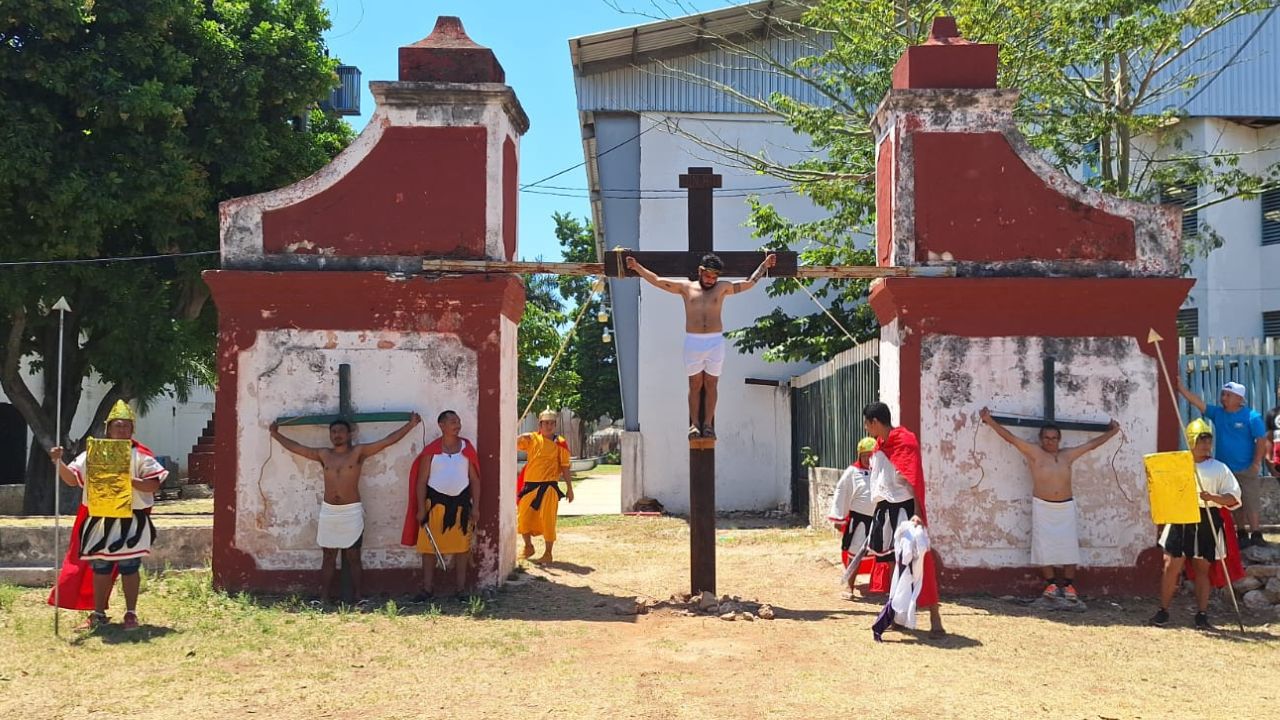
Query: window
[1188, 328]
[1271, 323]
[1184, 196]
[1270, 202]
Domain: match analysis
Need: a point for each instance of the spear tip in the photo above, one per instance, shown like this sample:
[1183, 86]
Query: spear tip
[1153, 336]
[62, 305]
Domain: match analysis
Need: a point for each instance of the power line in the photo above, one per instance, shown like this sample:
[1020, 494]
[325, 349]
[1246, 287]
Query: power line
[599, 155]
[91, 261]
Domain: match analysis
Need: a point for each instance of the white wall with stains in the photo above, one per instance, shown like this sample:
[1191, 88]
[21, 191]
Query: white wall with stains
[979, 488]
[295, 372]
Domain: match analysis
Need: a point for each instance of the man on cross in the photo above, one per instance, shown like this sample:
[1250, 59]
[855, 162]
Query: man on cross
[341, 525]
[704, 330]
[1055, 543]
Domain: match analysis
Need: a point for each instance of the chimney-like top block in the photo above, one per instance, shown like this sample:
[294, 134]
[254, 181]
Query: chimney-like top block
[449, 55]
[946, 60]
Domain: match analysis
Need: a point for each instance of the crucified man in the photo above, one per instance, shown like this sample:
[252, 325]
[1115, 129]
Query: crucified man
[704, 330]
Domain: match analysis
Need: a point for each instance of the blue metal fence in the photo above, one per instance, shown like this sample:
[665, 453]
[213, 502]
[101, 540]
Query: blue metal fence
[1252, 363]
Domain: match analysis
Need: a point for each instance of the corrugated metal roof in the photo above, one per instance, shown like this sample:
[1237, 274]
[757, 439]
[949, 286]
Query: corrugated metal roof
[1240, 80]
[640, 43]
[692, 83]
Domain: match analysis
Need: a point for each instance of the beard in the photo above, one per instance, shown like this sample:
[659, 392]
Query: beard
[705, 286]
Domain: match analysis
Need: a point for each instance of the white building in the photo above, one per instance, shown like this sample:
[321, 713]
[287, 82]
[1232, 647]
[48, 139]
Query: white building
[638, 106]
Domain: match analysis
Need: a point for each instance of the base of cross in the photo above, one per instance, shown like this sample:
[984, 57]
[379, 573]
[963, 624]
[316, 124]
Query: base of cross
[702, 443]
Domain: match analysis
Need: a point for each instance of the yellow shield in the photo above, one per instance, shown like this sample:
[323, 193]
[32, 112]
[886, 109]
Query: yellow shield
[1171, 485]
[109, 478]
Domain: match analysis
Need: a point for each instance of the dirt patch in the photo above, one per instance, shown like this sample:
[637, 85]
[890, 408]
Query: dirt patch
[552, 644]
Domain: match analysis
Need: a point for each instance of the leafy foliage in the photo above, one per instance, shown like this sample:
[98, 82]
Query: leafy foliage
[1099, 82]
[125, 124]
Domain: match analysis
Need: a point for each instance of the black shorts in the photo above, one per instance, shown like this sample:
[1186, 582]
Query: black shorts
[1195, 540]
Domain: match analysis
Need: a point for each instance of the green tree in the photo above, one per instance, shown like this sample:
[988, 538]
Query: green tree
[593, 361]
[538, 342]
[1097, 80]
[125, 124]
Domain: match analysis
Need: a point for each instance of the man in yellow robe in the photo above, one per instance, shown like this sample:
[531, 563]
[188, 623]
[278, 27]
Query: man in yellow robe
[539, 499]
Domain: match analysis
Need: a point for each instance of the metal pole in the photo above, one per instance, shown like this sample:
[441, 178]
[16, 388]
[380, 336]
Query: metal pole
[62, 309]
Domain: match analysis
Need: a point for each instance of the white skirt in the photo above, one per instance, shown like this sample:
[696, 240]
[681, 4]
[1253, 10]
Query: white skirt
[1054, 538]
[340, 526]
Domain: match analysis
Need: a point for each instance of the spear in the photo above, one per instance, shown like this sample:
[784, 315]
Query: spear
[63, 308]
[1154, 338]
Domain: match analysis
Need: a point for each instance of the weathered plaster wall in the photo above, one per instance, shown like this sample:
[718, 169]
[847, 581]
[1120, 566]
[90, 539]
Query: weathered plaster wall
[295, 372]
[979, 486]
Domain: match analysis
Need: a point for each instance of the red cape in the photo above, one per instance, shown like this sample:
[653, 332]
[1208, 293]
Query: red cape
[409, 536]
[903, 450]
[75, 581]
[1234, 565]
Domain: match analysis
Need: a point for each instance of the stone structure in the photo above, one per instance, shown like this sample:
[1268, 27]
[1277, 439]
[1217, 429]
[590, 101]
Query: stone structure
[327, 272]
[1047, 268]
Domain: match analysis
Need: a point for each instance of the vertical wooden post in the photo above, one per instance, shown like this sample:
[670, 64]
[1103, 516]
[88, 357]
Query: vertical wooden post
[700, 182]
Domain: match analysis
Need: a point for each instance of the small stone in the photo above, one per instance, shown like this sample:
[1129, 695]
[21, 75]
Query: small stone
[729, 616]
[1264, 555]
[680, 598]
[724, 599]
[1247, 583]
[1262, 571]
[748, 617]
[1272, 590]
[707, 601]
[1256, 599]
[601, 603]
[766, 612]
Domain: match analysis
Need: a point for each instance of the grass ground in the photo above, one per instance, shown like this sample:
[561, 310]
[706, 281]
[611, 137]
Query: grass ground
[551, 645]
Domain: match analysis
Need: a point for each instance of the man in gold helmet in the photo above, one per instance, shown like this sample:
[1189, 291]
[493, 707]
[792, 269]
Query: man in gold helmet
[539, 500]
[113, 529]
[1202, 542]
[852, 510]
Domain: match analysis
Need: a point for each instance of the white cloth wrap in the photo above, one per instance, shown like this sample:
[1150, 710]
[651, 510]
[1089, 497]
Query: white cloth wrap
[911, 543]
[340, 525]
[1054, 537]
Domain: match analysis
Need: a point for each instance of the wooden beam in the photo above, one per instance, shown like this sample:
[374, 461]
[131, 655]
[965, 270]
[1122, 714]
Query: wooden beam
[656, 261]
[702, 521]
[1041, 422]
[353, 419]
[737, 263]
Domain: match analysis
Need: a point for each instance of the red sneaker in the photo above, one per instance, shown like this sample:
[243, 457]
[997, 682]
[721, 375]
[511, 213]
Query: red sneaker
[131, 620]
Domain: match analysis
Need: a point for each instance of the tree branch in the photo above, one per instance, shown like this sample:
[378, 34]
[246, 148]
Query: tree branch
[15, 387]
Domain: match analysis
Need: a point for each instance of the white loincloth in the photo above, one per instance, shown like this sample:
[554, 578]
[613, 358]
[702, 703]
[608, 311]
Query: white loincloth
[1054, 538]
[340, 526]
[911, 543]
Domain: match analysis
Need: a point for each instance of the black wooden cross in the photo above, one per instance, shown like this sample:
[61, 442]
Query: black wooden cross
[1048, 409]
[345, 410]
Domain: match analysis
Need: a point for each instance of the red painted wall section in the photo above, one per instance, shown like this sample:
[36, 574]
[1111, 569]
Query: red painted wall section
[976, 199]
[420, 191]
[884, 202]
[510, 197]
[252, 301]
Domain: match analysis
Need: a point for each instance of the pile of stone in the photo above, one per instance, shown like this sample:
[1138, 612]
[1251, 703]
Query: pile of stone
[725, 607]
[1259, 589]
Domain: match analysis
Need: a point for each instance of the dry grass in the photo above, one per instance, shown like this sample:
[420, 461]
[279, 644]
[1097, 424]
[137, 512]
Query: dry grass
[551, 646]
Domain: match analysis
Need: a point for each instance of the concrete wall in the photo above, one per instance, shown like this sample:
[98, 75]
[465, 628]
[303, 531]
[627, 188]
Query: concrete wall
[979, 489]
[822, 487]
[294, 372]
[753, 421]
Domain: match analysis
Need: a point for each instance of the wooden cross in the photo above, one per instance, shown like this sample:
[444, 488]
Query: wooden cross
[345, 410]
[1048, 409]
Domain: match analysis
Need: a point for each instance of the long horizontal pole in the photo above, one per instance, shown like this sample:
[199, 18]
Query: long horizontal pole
[571, 268]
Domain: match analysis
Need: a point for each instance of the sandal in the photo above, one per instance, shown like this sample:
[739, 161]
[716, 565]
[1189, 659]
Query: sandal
[694, 432]
[709, 432]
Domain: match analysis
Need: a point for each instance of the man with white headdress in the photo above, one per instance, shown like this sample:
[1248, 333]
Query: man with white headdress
[113, 530]
[546, 465]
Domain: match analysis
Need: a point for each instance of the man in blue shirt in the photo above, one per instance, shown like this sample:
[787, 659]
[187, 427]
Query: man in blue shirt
[1242, 443]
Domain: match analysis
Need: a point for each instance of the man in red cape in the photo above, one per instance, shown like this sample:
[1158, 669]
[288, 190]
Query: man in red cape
[409, 535]
[897, 487]
[74, 589]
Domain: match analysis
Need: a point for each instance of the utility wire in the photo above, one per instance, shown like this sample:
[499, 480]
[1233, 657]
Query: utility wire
[89, 261]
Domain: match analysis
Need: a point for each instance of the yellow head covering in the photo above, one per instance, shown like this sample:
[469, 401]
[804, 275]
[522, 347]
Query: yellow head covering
[866, 444]
[548, 414]
[121, 411]
[1195, 429]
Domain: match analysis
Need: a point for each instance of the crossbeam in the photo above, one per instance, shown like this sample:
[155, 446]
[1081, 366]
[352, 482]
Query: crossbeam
[1049, 381]
[856, 272]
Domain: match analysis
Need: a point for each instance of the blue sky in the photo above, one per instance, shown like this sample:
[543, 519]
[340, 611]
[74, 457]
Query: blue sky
[531, 41]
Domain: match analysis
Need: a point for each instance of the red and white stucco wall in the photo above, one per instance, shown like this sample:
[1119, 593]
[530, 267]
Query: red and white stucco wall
[327, 271]
[1045, 266]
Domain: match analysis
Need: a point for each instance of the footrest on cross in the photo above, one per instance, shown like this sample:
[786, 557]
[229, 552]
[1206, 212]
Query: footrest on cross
[702, 443]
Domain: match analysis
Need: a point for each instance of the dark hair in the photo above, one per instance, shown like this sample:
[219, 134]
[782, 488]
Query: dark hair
[341, 422]
[1047, 427]
[878, 411]
[440, 418]
[711, 261]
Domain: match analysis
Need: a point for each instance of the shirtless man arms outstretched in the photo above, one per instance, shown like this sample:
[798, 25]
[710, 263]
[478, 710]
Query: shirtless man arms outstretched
[704, 329]
[341, 524]
[1055, 542]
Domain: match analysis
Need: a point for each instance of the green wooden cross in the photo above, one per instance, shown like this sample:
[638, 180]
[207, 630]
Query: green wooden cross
[345, 411]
